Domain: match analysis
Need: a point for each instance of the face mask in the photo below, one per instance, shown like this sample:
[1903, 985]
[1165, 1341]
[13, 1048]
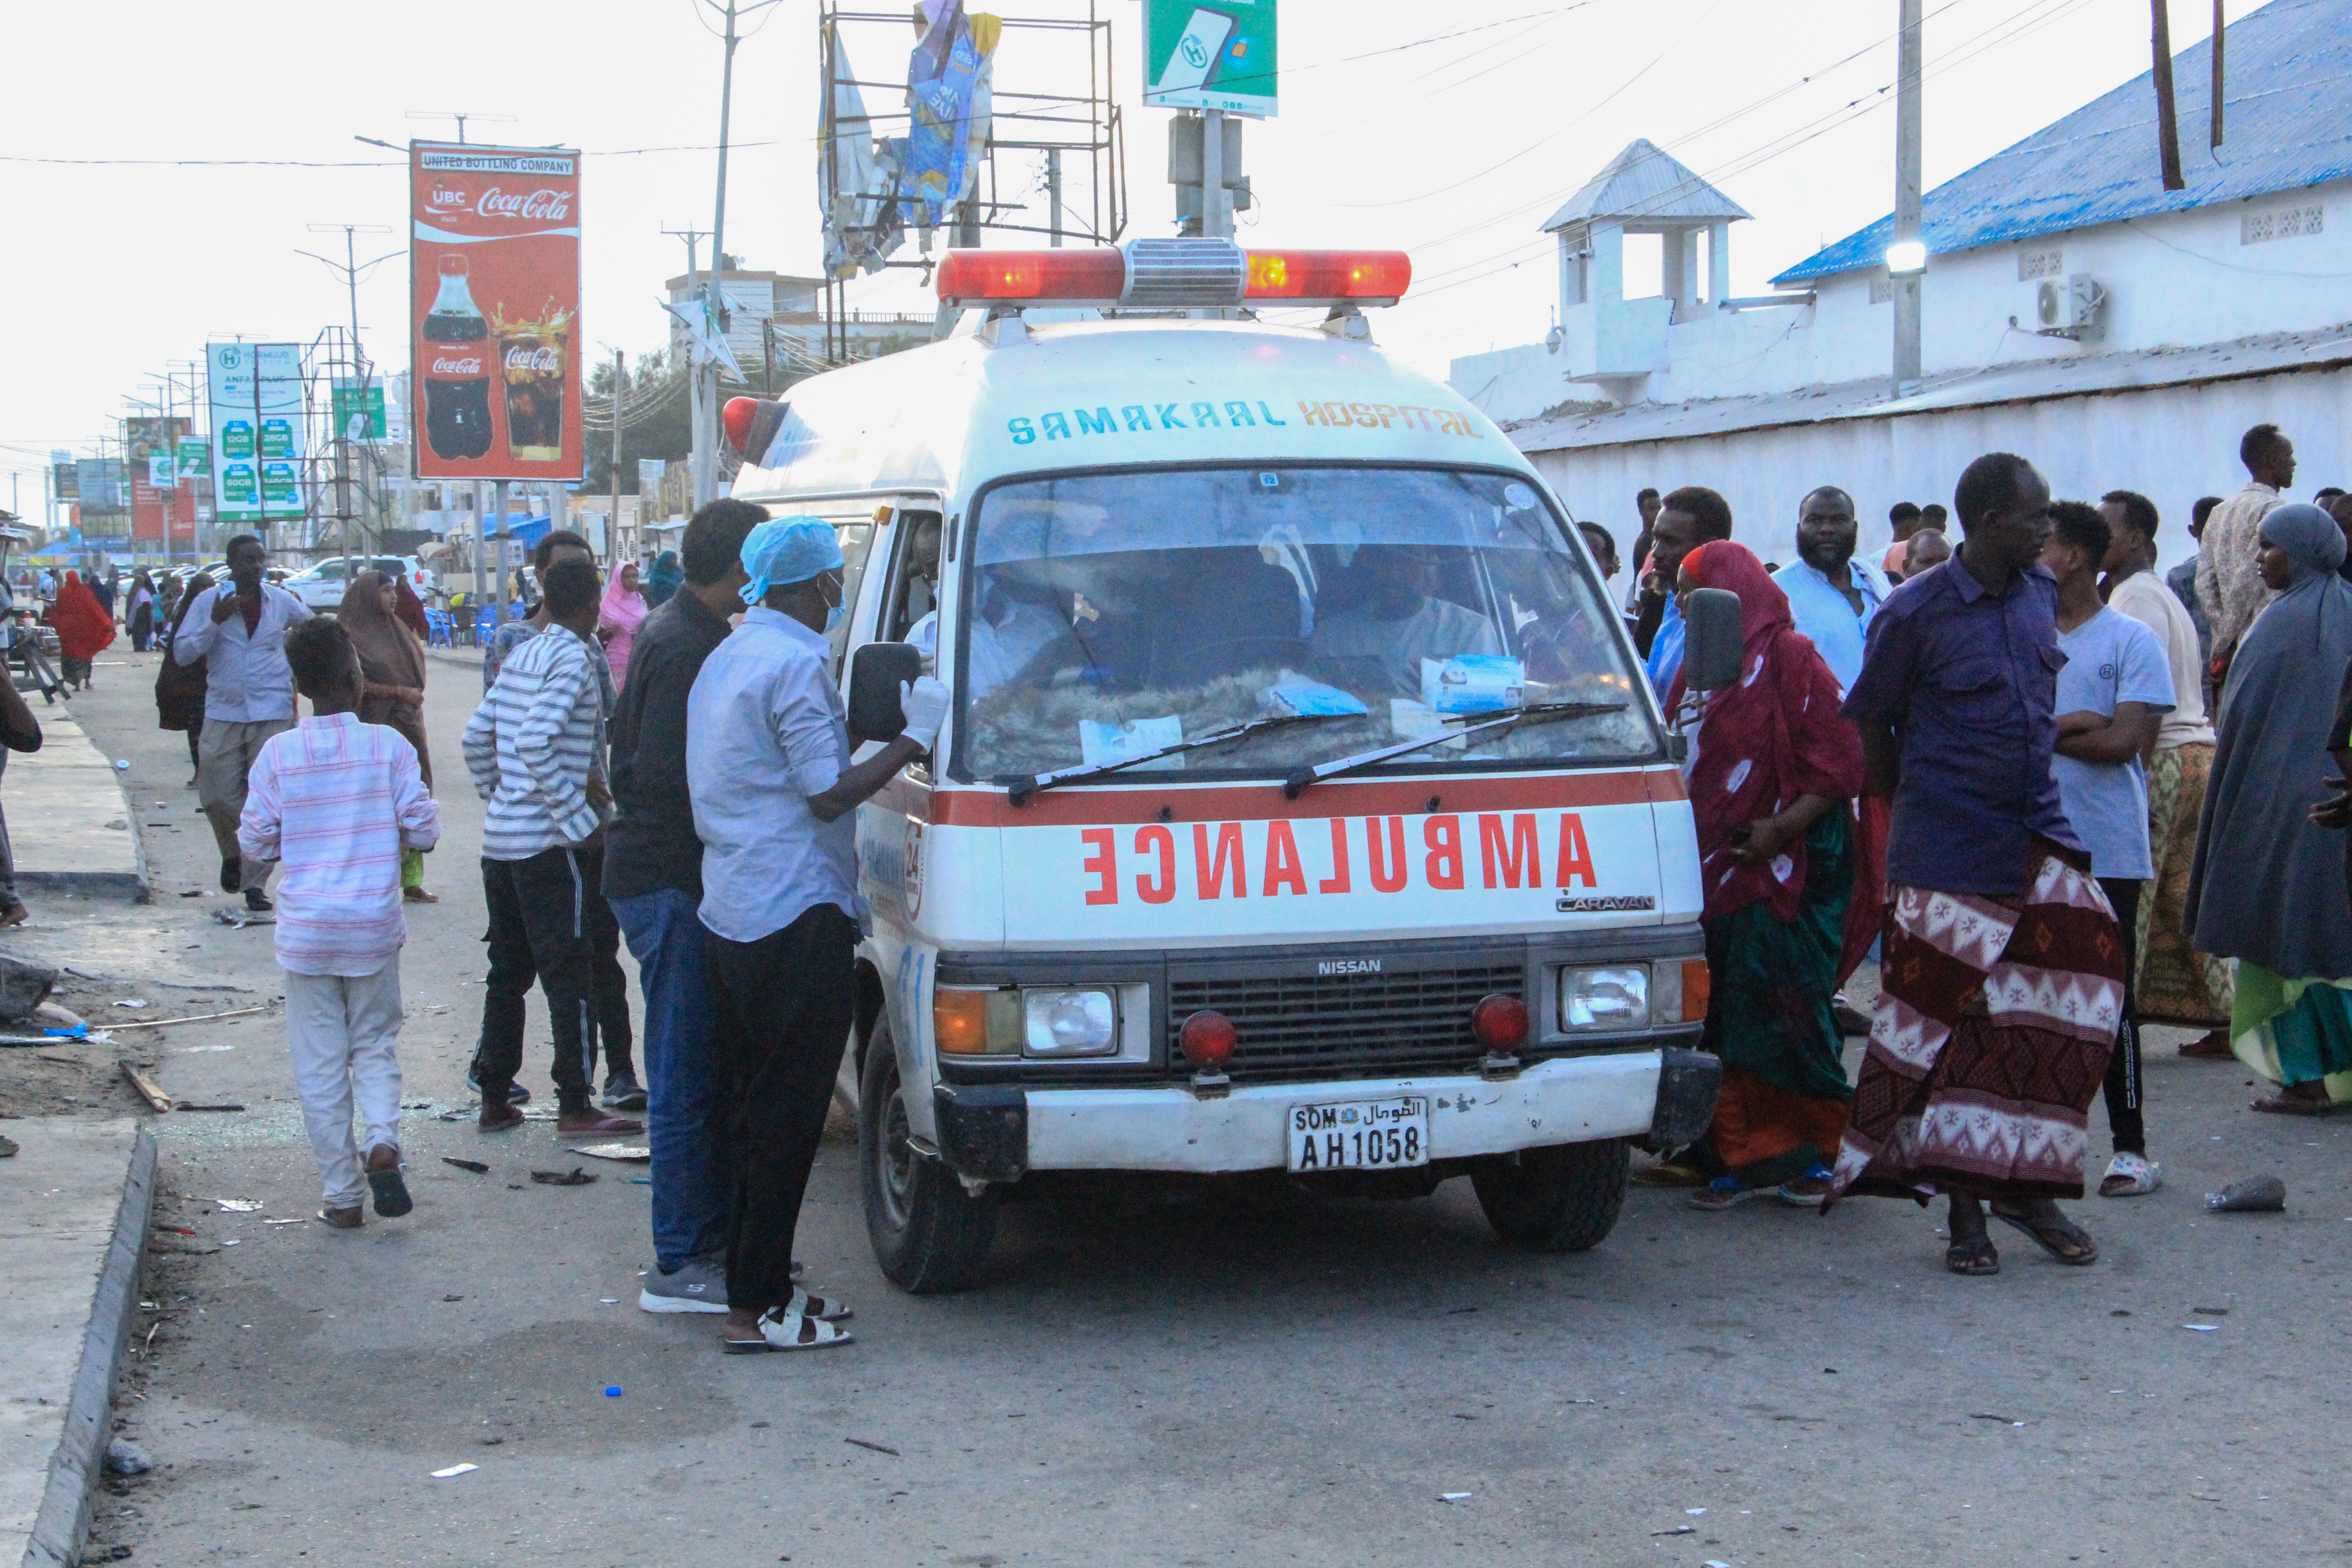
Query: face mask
[834, 613]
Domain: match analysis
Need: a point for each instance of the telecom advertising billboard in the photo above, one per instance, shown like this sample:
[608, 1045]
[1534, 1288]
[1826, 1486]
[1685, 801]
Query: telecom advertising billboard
[1210, 57]
[494, 279]
[261, 430]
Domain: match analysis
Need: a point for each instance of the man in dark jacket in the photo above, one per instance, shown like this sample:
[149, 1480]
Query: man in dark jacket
[653, 878]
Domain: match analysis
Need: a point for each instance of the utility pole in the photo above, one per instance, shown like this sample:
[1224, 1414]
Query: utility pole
[1906, 258]
[695, 389]
[706, 379]
[2167, 120]
[1053, 194]
[612, 523]
[351, 268]
[1217, 203]
[2218, 24]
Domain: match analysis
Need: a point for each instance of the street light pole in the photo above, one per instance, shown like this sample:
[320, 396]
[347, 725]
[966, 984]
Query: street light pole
[714, 292]
[1906, 256]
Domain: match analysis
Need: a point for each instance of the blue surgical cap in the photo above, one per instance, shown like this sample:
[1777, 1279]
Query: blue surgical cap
[787, 550]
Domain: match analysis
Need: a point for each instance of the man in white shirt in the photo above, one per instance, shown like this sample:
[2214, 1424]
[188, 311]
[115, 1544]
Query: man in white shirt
[337, 800]
[775, 795]
[2173, 983]
[239, 629]
[2229, 582]
[1831, 594]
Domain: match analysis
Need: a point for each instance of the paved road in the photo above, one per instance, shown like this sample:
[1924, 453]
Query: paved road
[1251, 1377]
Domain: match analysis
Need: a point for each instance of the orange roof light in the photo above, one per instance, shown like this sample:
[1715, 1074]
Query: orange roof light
[1173, 273]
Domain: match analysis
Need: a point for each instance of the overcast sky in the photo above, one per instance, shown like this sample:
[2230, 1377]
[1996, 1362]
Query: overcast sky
[1455, 149]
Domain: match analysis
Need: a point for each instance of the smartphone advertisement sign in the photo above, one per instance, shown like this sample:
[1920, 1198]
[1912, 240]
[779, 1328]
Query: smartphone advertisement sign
[261, 430]
[494, 289]
[1210, 57]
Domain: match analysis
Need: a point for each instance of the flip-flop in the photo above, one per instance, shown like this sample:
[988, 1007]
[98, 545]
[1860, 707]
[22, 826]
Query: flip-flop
[1974, 1258]
[2039, 1230]
[391, 1199]
[603, 1124]
[2291, 1105]
[500, 1119]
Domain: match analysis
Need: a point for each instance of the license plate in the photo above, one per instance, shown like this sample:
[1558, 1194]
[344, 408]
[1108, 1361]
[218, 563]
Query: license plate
[1360, 1135]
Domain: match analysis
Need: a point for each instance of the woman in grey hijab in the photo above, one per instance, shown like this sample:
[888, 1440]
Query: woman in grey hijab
[2269, 887]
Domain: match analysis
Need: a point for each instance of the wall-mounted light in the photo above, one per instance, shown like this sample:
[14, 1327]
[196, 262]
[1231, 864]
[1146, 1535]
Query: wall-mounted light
[1907, 256]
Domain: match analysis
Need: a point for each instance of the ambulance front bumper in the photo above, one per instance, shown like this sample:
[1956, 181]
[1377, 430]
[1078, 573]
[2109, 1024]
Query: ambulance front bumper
[999, 1133]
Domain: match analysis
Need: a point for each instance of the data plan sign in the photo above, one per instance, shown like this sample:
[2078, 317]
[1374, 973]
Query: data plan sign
[494, 275]
[1210, 57]
[259, 430]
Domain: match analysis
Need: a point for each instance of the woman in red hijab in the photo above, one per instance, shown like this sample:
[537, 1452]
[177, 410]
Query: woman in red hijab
[1772, 765]
[84, 627]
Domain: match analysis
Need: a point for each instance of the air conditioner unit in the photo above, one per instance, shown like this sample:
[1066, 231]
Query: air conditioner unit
[2065, 308]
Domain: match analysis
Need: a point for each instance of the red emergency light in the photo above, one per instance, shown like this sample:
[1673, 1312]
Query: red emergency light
[1173, 274]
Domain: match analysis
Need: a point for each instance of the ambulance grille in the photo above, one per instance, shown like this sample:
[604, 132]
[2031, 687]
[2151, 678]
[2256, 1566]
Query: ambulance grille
[1299, 1027]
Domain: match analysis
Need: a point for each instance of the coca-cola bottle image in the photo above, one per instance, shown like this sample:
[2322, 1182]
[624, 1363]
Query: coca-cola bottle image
[456, 368]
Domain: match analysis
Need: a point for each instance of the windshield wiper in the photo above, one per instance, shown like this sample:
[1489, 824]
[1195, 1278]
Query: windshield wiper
[1510, 718]
[1021, 791]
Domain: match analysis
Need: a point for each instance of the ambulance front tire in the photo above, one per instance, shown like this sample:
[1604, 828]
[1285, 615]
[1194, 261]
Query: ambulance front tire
[929, 1235]
[1562, 1198]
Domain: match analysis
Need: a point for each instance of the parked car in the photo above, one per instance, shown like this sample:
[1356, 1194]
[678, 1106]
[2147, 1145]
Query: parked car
[321, 588]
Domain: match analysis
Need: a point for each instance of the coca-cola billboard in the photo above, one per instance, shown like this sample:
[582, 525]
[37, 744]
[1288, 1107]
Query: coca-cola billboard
[494, 267]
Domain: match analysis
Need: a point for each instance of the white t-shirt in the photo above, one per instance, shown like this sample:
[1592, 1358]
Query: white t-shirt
[2146, 599]
[2110, 659]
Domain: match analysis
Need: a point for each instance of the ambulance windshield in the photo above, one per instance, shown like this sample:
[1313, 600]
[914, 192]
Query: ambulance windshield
[1109, 615]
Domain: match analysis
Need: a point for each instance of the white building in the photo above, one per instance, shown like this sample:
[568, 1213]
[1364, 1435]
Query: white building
[2120, 335]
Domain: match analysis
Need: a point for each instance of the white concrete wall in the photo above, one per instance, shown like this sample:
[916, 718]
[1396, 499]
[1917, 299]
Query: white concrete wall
[2178, 279]
[2172, 443]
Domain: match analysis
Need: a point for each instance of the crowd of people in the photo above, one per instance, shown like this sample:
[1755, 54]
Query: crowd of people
[1987, 763]
[1994, 762]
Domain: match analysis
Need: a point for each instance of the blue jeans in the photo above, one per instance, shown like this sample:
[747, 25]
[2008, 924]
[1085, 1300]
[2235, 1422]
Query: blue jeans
[672, 951]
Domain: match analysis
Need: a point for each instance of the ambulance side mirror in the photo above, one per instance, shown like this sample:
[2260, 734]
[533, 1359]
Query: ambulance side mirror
[1711, 639]
[876, 672]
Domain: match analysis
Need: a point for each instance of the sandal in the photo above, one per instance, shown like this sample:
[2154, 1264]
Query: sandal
[419, 896]
[2056, 1235]
[820, 1308]
[783, 1328]
[499, 1118]
[1721, 1193]
[594, 1121]
[2130, 1175]
[1974, 1256]
[1809, 1191]
[2295, 1105]
[2212, 1045]
[391, 1199]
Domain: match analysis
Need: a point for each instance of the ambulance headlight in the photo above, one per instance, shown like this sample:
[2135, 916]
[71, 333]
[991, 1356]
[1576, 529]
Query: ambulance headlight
[1598, 1000]
[1069, 1022]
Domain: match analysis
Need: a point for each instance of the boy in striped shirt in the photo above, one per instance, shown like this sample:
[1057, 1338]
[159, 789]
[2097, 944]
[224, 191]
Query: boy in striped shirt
[334, 801]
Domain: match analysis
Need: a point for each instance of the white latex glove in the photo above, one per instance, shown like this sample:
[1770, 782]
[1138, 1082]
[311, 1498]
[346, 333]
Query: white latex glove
[924, 701]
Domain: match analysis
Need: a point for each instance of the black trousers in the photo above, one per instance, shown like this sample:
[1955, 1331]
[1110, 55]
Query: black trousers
[783, 1006]
[2122, 1087]
[549, 924]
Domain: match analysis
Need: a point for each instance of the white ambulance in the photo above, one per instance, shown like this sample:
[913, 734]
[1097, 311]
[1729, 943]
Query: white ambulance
[1302, 806]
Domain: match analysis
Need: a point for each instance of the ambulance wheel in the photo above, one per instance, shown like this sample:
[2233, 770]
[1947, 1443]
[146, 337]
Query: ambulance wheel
[929, 1235]
[1562, 1198]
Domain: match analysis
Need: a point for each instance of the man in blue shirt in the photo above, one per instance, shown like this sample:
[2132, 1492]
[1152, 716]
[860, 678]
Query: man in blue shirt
[2002, 980]
[1687, 519]
[775, 795]
[1832, 595]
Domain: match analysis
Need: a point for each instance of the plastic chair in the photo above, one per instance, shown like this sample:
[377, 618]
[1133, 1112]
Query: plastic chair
[439, 627]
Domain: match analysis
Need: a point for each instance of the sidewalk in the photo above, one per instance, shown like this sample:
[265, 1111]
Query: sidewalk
[73, 1223]
[69, 820]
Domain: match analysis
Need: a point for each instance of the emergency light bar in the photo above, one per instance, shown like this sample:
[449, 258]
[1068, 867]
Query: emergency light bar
[1173, 274]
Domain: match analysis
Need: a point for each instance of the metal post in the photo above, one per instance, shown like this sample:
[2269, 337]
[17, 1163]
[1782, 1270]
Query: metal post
[612, 523]
[1216, 211]
[498, 539]
[1906, 195]
[1054, 193]
[2218, 24]
[2167, 124]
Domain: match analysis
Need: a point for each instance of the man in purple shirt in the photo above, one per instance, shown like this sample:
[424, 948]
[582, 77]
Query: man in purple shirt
[2001, 980]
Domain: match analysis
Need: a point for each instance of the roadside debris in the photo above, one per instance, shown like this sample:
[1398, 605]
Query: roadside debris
[454, 1470]
[2255, 1194]
[1453, 1496]
[23, 988]
[8, 1148]
[239, 1205]
[241, 920]
[628, 1154]
[474, 1165]
[197, 1018]
[575, 1177]
[125, 1457]
[886, 1448]
[149, 1089]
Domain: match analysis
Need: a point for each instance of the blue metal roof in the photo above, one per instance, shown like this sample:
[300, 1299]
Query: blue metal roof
[2288, 123]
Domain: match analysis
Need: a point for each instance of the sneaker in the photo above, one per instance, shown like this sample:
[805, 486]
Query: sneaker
[1809, 1191]
[1721, 1193]
[624, 1092]
[699, 1286]
[257, 901]
[517, 1095]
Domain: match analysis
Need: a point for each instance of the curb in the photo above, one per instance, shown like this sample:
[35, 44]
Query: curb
[62, 1525]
